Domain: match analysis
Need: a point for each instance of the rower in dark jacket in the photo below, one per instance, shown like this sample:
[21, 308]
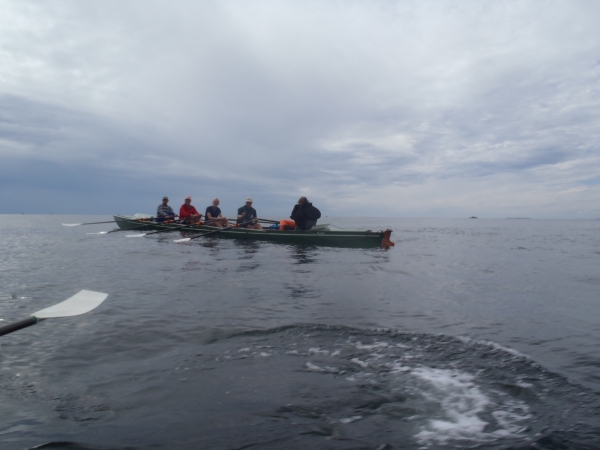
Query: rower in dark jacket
[305, 214]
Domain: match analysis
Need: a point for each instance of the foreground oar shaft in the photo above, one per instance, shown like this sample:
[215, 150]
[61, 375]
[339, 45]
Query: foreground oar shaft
[18, 325]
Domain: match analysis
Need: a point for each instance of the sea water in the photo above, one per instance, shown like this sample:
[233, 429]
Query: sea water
[467, 334]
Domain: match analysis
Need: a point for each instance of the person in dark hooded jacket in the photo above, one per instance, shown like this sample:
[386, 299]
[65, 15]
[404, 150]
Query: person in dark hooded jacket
[305, 214]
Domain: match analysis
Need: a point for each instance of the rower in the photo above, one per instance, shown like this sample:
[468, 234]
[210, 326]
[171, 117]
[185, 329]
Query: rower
[305, 214]
[213, 215]
[247, 217]
[164, 211]
[188, 212]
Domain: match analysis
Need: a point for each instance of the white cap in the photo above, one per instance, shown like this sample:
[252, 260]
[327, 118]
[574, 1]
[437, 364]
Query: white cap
[249, 199]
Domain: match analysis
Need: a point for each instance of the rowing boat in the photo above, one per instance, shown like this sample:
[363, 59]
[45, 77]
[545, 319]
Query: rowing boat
[320, 235]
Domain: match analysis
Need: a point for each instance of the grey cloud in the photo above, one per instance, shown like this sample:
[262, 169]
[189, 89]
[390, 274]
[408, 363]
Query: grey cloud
[239, 97]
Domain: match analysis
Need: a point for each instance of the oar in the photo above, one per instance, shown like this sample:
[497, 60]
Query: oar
[181, 227]
[89, 223]
[210, 232]
[81, 303]
[126, 229]
[269, 221]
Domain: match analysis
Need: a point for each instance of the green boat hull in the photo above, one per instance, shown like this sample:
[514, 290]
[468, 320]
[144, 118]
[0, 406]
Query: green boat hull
[327, 238]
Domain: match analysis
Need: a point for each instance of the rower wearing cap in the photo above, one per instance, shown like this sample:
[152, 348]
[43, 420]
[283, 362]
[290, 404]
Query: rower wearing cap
[247, 217]
[188, 212]
[164, 211]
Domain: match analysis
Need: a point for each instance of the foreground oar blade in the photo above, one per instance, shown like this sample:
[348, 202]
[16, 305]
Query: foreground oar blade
[71, 224]
[81, 303]
[135, 235]
[183, 240]
[100, 232]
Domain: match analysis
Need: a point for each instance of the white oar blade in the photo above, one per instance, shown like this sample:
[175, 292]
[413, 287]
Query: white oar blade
[101, 232]
[135, 235]
[71, 224]
[81, 303]
[183, 240]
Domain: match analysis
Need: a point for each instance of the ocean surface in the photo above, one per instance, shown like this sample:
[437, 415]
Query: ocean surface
[477, 334]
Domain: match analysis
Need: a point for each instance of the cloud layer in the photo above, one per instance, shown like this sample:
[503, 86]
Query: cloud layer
[369, 108]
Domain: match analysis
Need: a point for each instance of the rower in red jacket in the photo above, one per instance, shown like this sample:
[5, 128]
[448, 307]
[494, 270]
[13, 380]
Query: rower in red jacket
[188, 212]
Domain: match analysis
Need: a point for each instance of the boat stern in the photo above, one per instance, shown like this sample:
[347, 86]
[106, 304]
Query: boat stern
[385, 241]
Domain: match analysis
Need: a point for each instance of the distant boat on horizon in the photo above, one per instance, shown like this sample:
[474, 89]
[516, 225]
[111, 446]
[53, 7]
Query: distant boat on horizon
[473, 217]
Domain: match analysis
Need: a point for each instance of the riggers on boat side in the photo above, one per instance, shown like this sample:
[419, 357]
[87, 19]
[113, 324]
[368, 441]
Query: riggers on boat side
[320, 235]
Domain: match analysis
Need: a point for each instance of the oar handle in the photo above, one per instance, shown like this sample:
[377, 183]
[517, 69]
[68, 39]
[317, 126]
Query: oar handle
[222, 229]
[18, 325]
[181, 227]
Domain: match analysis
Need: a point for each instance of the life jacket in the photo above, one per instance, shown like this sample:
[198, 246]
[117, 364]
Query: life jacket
[287, 224]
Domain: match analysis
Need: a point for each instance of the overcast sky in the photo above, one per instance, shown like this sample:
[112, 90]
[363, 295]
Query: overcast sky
[369, 108]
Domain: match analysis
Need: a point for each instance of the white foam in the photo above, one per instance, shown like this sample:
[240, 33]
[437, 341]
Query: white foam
[318, 351]
[350, 419]
[315, 368]
[461, 402]
[511, 421]
[494, 345]
[397, 368]
[360, 346]
[359, 362]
